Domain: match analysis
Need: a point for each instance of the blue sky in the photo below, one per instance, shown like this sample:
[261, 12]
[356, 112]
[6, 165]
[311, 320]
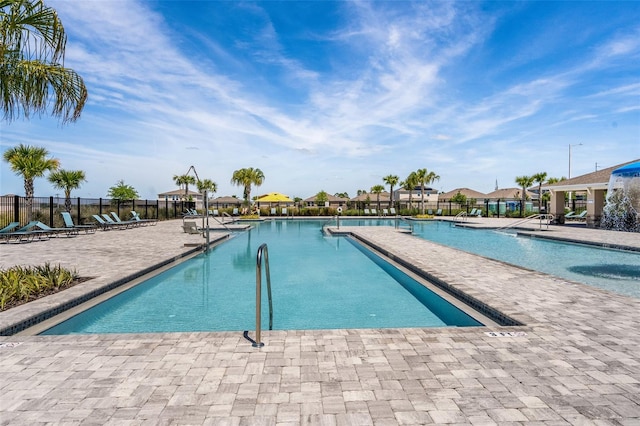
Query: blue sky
[336, 95]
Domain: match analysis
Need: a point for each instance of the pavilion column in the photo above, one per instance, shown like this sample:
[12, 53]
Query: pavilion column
[595, 206]
[557, 206]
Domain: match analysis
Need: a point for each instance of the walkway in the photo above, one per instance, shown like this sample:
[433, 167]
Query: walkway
[576, 361]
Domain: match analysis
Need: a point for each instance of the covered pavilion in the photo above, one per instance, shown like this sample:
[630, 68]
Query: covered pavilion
[594, 184]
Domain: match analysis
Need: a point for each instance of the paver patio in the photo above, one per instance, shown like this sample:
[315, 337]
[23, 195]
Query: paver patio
[575, 361]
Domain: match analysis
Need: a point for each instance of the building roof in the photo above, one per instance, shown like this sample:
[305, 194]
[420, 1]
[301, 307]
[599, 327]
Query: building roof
[179, 192]
[227, 200]
[384, 196]
[469, 193]
[330, 198]
[594, 180]
[507, 194]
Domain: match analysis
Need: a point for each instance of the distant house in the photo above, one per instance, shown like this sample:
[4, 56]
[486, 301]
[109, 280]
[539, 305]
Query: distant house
[332, 201]
[469, 193]
[178, 195]
[401, 196]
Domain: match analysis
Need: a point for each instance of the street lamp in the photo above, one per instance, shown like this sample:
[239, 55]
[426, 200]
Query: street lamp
[570, 145]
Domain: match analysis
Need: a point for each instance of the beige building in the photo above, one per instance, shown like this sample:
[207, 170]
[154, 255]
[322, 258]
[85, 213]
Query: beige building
[178, 195]
[595, 186]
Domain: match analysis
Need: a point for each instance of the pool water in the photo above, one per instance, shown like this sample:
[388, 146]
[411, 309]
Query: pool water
[614, 270]
[318, 282]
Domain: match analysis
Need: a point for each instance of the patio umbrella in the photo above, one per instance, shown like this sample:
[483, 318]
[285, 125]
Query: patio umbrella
[274, 197]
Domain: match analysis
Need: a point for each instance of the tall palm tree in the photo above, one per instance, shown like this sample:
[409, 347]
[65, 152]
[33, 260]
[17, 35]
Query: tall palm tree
[539, 178]
[377, 189]
[425, 178]
[524, 182]
[67, 180]
[207, 185]
[391, 180]
[184, 180]
[409, 184]
[32, 74]
[245, 178]
[30, 162]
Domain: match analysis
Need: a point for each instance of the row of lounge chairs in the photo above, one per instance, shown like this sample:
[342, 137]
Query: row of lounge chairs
[38, 231]
[34, 230]
[113, 221]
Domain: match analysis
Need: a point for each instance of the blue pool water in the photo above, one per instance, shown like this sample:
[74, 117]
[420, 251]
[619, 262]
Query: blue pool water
[318, 282]
[614, 270]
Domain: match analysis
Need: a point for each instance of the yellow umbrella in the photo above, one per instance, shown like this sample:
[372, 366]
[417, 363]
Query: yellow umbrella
[274, 197]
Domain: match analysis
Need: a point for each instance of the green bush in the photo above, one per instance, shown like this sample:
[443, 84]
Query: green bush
[20, 284]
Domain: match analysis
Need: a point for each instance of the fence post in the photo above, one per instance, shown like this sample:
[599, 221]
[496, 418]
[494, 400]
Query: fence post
[51, 211]
[79, 218]
[16, 208]
[100, 207]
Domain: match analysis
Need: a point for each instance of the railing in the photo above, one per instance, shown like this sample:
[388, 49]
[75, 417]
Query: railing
[405, 222]
[257, 343]
[461, 217]
[544, 217]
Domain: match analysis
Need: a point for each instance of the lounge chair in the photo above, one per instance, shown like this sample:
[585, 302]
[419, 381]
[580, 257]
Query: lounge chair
[367, 212]
[385, 212]
[104, 225]
[283, 211]
[131, 223]
[135, 216]
[393, 211]
[108, 219]
[235, 212]
[570, 215]
[430, 212]
[473, 212]
[216, 212]
[374, 212]
[24, 234]
[10, 227]
[273, 211]
[68, 222]
[439, 212]
[69, 232]
[190, 228]
[578, 217]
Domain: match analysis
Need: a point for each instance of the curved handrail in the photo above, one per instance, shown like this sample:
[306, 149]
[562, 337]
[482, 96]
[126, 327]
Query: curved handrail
[543, 216]
[262, 249]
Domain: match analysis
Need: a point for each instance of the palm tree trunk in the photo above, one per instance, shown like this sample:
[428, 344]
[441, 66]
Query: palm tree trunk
[28, 192]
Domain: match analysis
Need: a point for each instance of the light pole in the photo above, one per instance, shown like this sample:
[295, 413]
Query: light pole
[570, 145]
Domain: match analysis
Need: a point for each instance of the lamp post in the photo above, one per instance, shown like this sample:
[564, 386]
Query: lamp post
[570, 145]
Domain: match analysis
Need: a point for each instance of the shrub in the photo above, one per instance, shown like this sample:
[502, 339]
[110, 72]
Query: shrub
[20, 284]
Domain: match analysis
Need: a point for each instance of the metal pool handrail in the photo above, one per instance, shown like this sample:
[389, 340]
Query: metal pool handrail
[263, 248]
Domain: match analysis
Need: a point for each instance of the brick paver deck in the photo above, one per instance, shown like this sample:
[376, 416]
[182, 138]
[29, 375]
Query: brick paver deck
[575, 361]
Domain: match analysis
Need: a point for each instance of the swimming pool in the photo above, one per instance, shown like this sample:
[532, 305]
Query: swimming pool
[318, 282]
[613, 270]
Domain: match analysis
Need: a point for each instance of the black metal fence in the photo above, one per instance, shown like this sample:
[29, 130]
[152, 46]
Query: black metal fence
[47, 210]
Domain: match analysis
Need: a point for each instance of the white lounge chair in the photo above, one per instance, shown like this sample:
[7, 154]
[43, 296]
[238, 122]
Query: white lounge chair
[367, 212]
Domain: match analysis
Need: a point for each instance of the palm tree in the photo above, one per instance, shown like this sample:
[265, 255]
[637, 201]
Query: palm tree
[30, 162]
[184, 180]
[425, 178]
[539, 178]
[377, 189]
[245, 178]
[409, 184]
[67, 180]
[524, 182]
[207, 185]
[391, 180]
[32, 45]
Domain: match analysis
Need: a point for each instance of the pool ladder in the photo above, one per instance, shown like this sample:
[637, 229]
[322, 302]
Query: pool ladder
[262, 249]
